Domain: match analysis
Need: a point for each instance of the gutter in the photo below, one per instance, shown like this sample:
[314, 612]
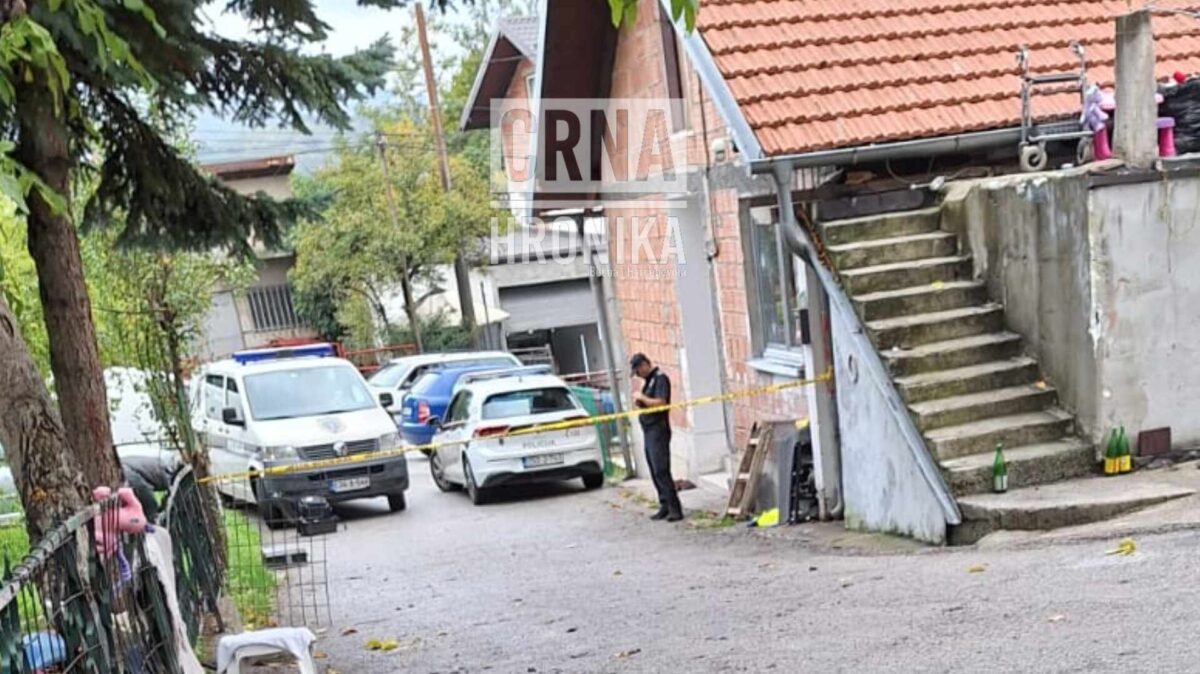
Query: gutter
[924, 147]
[797, 239]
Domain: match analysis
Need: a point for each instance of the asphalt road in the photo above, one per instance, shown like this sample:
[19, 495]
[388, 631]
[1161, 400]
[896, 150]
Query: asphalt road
[555, 579]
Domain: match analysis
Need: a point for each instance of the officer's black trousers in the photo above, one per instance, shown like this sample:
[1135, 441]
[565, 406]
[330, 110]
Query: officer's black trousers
[658, 456]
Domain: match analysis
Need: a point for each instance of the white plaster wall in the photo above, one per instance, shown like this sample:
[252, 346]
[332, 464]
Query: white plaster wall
[1147, 285]
[882, 484]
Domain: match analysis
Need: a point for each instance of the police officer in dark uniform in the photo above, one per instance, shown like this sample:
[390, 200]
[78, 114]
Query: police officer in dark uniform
[656, 428]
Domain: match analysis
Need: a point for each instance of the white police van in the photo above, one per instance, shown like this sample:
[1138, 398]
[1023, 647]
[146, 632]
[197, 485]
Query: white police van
[275, 407]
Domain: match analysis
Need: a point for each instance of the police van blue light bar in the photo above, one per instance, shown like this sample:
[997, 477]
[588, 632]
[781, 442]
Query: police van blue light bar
[306, 351]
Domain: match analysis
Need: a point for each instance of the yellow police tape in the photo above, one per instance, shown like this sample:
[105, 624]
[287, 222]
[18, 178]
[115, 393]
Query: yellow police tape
[352, 459]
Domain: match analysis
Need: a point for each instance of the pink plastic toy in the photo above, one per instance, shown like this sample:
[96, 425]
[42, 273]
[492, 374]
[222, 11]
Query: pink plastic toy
[131, 519]
[1100, 147]
[1166, 136]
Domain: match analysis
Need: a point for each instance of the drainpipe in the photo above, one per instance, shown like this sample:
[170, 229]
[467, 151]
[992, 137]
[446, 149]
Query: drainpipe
[872, 365]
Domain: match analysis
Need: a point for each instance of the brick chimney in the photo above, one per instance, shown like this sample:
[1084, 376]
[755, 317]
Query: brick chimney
[1135, 138]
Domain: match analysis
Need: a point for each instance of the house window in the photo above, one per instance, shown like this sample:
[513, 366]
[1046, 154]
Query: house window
[775, 280]
[673, 70]
[271, 308]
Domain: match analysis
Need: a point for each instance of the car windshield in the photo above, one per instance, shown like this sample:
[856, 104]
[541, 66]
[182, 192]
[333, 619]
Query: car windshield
[307, 392]
[388, 376]
[525, 403]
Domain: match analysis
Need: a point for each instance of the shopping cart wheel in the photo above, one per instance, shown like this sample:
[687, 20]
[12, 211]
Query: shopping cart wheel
[1085, 151]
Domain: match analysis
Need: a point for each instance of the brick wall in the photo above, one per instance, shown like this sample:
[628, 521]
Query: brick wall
[646, 291]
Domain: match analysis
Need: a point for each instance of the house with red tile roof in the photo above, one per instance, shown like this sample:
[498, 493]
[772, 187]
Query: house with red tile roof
[816, 139]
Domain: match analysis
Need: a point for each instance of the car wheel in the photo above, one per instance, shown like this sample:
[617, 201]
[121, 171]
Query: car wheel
[268, 512]
[439, 475]
[477, 494]
[396, 502]
[593, 480]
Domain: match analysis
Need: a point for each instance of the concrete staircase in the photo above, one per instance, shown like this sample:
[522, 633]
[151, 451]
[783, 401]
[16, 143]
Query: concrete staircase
[965, 378]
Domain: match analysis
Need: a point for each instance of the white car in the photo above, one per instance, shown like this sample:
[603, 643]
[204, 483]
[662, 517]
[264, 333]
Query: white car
[487, 405]
[400, 374]
[275, 407]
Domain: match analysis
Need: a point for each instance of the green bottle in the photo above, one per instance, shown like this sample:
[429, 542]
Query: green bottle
[1112, 463]
[999, 471]
[1126, 462]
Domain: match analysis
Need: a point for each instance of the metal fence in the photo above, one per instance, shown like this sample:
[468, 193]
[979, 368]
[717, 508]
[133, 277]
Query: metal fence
[87, 599]
[82, 602]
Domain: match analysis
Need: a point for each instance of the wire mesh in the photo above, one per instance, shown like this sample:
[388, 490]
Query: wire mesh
[277, 574]
[86, 599]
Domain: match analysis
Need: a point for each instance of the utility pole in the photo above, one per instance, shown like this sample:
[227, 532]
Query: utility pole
[414, 322]
[596, 281]
[461, 276]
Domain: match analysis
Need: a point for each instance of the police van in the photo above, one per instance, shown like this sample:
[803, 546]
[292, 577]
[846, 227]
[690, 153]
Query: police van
[277, 407]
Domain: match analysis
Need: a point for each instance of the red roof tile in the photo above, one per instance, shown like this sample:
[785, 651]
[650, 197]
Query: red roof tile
[823, 74]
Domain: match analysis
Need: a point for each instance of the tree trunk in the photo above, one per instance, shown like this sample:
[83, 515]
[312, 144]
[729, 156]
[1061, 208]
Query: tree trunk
[44, 469]
[410, 309]
[54, 246]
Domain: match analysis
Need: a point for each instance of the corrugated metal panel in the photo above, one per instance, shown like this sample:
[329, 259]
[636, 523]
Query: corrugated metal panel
[548, 305]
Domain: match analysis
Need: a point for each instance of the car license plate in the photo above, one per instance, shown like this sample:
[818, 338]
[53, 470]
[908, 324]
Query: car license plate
[543, 460]
[349, 484]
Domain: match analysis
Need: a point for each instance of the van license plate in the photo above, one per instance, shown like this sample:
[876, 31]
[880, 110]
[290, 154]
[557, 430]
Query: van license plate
[543, 460]
[349, 484]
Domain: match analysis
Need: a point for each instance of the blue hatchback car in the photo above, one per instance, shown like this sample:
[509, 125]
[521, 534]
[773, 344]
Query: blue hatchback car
[428, 398]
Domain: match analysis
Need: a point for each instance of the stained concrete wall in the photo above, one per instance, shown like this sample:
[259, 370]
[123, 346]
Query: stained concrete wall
[1103, 284]
[1029, 238]
[884, 485]
[1147, 290]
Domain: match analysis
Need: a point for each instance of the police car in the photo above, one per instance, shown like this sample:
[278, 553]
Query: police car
[276, 407]
[475, 454]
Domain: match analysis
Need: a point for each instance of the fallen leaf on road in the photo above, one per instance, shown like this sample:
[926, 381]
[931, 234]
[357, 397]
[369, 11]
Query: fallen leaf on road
[374, 644]
[1041, 385]
[846, 582]
[348, 631]
[389, 645]
[977, 568]
[1125, 548]
[320, 655]
[331, 670]
[617, 572]
[632, 651]
[1057, 618]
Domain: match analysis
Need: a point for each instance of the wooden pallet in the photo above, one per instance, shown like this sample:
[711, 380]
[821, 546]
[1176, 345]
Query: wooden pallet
[745, 483]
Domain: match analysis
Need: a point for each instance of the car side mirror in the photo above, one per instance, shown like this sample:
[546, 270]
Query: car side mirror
[387, 400]
[232, 416]
[434, 422]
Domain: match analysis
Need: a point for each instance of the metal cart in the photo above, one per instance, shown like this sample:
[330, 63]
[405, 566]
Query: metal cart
[1035, 136]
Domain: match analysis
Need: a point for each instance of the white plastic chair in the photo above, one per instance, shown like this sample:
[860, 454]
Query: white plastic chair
[233, 649]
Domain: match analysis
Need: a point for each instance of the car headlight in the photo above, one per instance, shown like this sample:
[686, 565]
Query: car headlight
[389, 442]
[276, 453]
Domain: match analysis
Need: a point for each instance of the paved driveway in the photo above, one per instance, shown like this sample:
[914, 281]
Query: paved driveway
[556, 579]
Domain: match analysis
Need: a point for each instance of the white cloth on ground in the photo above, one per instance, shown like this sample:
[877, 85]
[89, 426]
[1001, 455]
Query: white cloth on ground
[294, 640]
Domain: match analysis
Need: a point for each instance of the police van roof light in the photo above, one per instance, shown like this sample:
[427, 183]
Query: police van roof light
[306, 351]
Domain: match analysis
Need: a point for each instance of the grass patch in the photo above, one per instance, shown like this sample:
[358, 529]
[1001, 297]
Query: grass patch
[251, 584]
[710, 520]
[14, 543]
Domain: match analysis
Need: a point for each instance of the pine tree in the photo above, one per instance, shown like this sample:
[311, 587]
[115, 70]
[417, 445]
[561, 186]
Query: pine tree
[90, 91]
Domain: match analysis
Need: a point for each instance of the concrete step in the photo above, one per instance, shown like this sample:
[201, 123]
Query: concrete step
[905, 274]
[964, 409]
[936, 296]
[971, 379]
[897, 249]
[910, 331]
[954, 353]
[1027, 466]
[1063, 504]
[880, 226]
[976, 437]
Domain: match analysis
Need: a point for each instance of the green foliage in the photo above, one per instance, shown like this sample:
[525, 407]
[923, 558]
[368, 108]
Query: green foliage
[359, 249]
[438, 334]
[625, 12]
[251, 584]
[18, 282]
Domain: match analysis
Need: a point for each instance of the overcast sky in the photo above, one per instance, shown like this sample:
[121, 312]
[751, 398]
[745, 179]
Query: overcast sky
[351, 28]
